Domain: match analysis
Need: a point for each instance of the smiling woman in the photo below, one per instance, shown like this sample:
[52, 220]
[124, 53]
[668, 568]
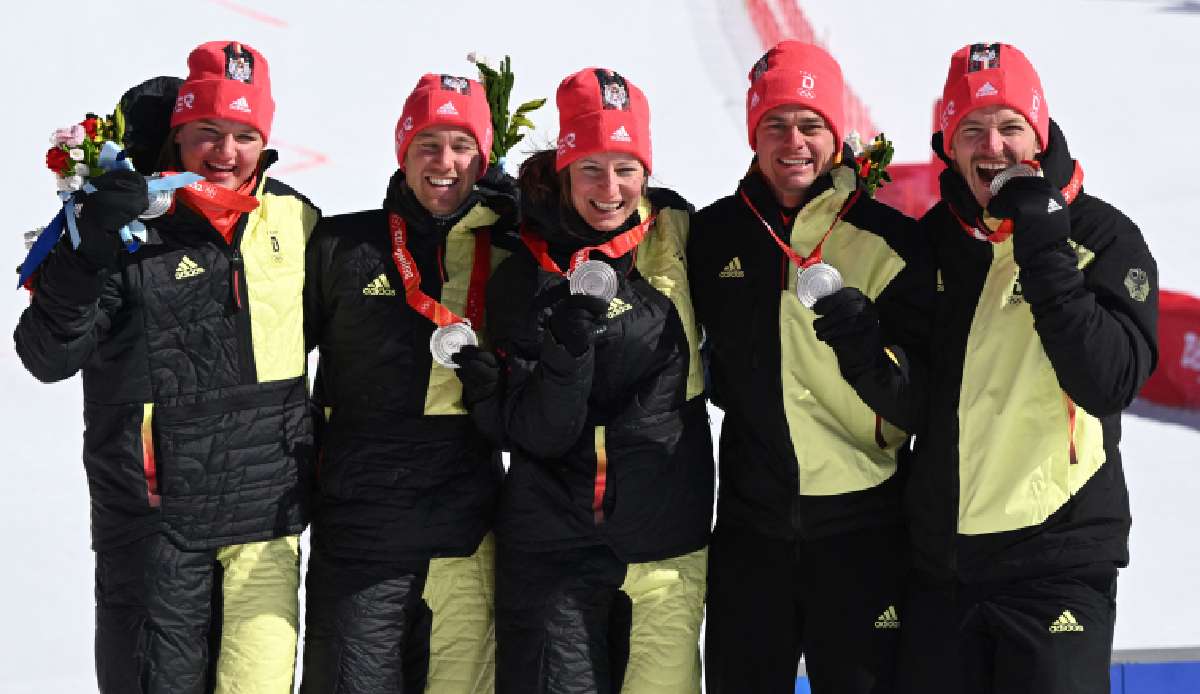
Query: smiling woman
[604, 517]
[198, 438]
[225, 152]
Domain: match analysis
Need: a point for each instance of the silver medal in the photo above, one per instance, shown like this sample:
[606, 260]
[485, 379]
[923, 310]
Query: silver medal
[817, 281]
[594, 278]
[1014, 171]
[448, 339]
[160, 202]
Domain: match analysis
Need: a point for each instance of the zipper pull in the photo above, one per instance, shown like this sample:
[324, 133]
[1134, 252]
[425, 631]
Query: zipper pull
[235, 261]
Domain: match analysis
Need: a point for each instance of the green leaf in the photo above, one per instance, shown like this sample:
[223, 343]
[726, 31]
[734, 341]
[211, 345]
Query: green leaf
[529, 106]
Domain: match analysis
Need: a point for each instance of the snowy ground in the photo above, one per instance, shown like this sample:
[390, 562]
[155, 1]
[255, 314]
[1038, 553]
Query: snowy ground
[1119, 77]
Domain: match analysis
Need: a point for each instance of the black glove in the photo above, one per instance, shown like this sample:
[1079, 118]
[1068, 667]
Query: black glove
[1039, 216]
[119, 198]
[849, 323]
[479, 371]
[577, 320]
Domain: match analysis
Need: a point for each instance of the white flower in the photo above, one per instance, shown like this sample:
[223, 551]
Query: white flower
[855, 142]
[74, 182]
[61, 184]
[82, 169]
[478, 59]
[75, 154]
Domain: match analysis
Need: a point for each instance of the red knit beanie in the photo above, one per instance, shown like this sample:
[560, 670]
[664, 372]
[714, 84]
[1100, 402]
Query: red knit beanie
[796, 73]
[601, 111]
[991, 74]
[445, 100]
[227, 80]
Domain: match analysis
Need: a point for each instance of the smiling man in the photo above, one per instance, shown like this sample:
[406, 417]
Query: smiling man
[1044, 331]
[808, 551]
[400, 580]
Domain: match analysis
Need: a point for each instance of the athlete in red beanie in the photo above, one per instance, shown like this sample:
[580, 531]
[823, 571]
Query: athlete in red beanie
[1045, 330]
[199, 440]
[399, 586]
[808, 553]
[606, 509]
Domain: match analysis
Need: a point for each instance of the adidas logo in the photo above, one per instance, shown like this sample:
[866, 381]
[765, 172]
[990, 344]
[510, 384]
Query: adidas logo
[890, 619]
[447, 109]
[1053, 206]
[620, 135]
[379, 287]
[187, 268]
[733, 269]
[1065, 622]
[616, 307]
[240, 104]
[986, 90]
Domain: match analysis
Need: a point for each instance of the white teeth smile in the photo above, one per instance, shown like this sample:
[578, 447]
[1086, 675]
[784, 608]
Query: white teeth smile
[607, 206]
[795, 162]
[218, 167]
[441, 181]
[989, 170]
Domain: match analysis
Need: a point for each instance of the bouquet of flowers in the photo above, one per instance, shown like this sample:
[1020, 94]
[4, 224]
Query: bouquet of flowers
[872, 160]
[79, 152]
[75, 152]
[498, 83]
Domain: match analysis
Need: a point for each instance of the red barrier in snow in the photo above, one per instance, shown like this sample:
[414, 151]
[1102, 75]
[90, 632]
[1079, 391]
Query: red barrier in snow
[1176, 382]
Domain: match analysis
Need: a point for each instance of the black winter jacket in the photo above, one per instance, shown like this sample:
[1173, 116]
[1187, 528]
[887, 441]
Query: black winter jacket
[1018, 473]
[196, 406]
[804, 453]
[403, 473]
[611, 447]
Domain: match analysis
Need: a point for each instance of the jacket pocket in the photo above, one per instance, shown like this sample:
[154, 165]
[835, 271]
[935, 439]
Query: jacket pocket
[234, 462]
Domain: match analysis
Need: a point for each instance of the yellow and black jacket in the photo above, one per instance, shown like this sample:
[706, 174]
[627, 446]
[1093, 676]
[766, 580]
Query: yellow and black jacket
[801, 453]
[403, 473]
[611, 447]
[196, 405]
[1018, 472]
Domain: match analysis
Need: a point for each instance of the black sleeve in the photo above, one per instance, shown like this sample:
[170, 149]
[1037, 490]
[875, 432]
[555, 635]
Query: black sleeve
[897, 387]
[545, 396]
[316, 255]
[69, 313]
[698, 286]
[1099, 325]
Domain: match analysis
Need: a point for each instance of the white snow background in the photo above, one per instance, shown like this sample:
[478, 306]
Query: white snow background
[1119, 76]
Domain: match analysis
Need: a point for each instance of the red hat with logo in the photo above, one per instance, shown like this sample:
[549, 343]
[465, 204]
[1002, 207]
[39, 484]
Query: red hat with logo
[227, 80]
[445, 100]
[800, 74]
[601, 111]
[992, 74]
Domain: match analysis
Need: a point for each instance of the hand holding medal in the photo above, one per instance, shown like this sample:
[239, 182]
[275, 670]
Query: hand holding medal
[85, 151]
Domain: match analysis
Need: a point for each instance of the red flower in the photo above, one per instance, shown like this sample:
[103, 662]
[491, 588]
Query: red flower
[56, 160]
[89, 125]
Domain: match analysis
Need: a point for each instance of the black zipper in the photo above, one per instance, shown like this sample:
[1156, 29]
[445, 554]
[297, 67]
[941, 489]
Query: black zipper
[240, 301]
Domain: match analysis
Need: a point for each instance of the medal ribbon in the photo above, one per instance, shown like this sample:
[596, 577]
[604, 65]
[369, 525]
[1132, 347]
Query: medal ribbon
[794, 256]
[426, 305]
[614, 248]
[203, 193]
